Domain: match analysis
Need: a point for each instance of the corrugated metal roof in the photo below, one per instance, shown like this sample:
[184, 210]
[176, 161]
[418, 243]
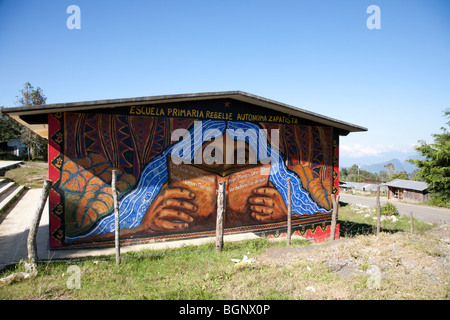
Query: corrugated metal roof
[361, 185]
[407, 184]
[40, 126]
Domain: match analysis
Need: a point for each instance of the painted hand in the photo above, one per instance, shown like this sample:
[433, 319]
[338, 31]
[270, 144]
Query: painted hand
[320, 190]
[171, 210]
[267, 204]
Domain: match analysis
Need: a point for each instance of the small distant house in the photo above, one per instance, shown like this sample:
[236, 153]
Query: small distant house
[408, 190]
[14, 147]
[362, 186]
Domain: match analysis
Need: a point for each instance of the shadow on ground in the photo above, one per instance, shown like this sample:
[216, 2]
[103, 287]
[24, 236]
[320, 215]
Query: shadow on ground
[353, 229]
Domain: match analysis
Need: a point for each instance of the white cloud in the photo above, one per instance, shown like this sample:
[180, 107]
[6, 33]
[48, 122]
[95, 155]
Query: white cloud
[358, 150]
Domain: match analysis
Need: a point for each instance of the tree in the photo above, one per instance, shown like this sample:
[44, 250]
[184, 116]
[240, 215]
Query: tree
[355, 174]
[30, 96]
[9, 129]
[390, 168]
[399, 175]
[37, 146]
[435, 166]
[343, 174]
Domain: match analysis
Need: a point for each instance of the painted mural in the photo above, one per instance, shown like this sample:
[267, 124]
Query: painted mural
[167, 187]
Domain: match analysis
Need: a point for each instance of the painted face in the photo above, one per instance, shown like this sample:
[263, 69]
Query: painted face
[223, 153]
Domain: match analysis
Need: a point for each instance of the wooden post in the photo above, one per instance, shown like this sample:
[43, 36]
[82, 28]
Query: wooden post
[116, 216]
[220, 216]
[378, 210]
[289, 216]
[412, 223]
[335, 201]
[31, 241]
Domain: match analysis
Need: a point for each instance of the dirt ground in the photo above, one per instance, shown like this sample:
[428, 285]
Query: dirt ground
[392, 266]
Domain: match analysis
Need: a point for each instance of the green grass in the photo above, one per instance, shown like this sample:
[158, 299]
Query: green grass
[191, 272]
[29, 174]
[199, 272]
[353, 223]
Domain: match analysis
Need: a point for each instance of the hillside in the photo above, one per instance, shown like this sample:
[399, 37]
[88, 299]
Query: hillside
[399, 166]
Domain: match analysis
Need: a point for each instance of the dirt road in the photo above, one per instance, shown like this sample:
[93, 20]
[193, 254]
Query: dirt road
[423, 213]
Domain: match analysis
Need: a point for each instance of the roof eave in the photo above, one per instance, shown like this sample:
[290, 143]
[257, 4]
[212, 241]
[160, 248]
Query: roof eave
[17, 112]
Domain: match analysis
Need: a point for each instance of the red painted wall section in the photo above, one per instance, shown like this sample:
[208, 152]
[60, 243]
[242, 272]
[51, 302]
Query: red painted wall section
[55, 140]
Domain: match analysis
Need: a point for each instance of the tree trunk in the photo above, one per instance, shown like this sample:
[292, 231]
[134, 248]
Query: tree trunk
[31, 241]
[378, 211]
[220, 214]
[289, 216]
[116, 216]
[335, 201]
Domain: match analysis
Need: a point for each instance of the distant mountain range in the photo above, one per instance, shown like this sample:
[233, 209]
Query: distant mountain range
[374, 165]
[399, 166]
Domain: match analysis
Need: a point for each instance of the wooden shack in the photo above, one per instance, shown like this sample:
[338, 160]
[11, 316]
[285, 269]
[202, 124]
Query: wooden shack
[170, 153]
[408, 190]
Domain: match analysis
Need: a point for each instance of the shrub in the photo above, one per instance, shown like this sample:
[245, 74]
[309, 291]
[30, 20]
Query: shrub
[437, 201]
[388, 209]
[9, 156]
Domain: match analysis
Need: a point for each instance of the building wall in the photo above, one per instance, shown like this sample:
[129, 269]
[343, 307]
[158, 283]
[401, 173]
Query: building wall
[408, 195]
[160, 199]
[14, 147]
[414, 195]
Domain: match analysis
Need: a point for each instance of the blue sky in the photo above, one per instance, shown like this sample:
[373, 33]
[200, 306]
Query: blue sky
[316, 55]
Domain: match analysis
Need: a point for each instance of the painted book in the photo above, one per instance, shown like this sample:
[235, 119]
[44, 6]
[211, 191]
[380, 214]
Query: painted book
[239, 181]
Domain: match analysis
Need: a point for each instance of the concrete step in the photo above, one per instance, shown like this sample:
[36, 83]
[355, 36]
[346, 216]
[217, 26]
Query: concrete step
[5, 186]
[10, 196]
[8, 165]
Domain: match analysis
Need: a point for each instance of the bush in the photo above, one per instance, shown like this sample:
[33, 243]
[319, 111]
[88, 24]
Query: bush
[437, 201]
[9, 156]
[388, 209]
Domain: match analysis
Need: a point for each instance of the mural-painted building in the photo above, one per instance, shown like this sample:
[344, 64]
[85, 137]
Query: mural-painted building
[171, 152]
